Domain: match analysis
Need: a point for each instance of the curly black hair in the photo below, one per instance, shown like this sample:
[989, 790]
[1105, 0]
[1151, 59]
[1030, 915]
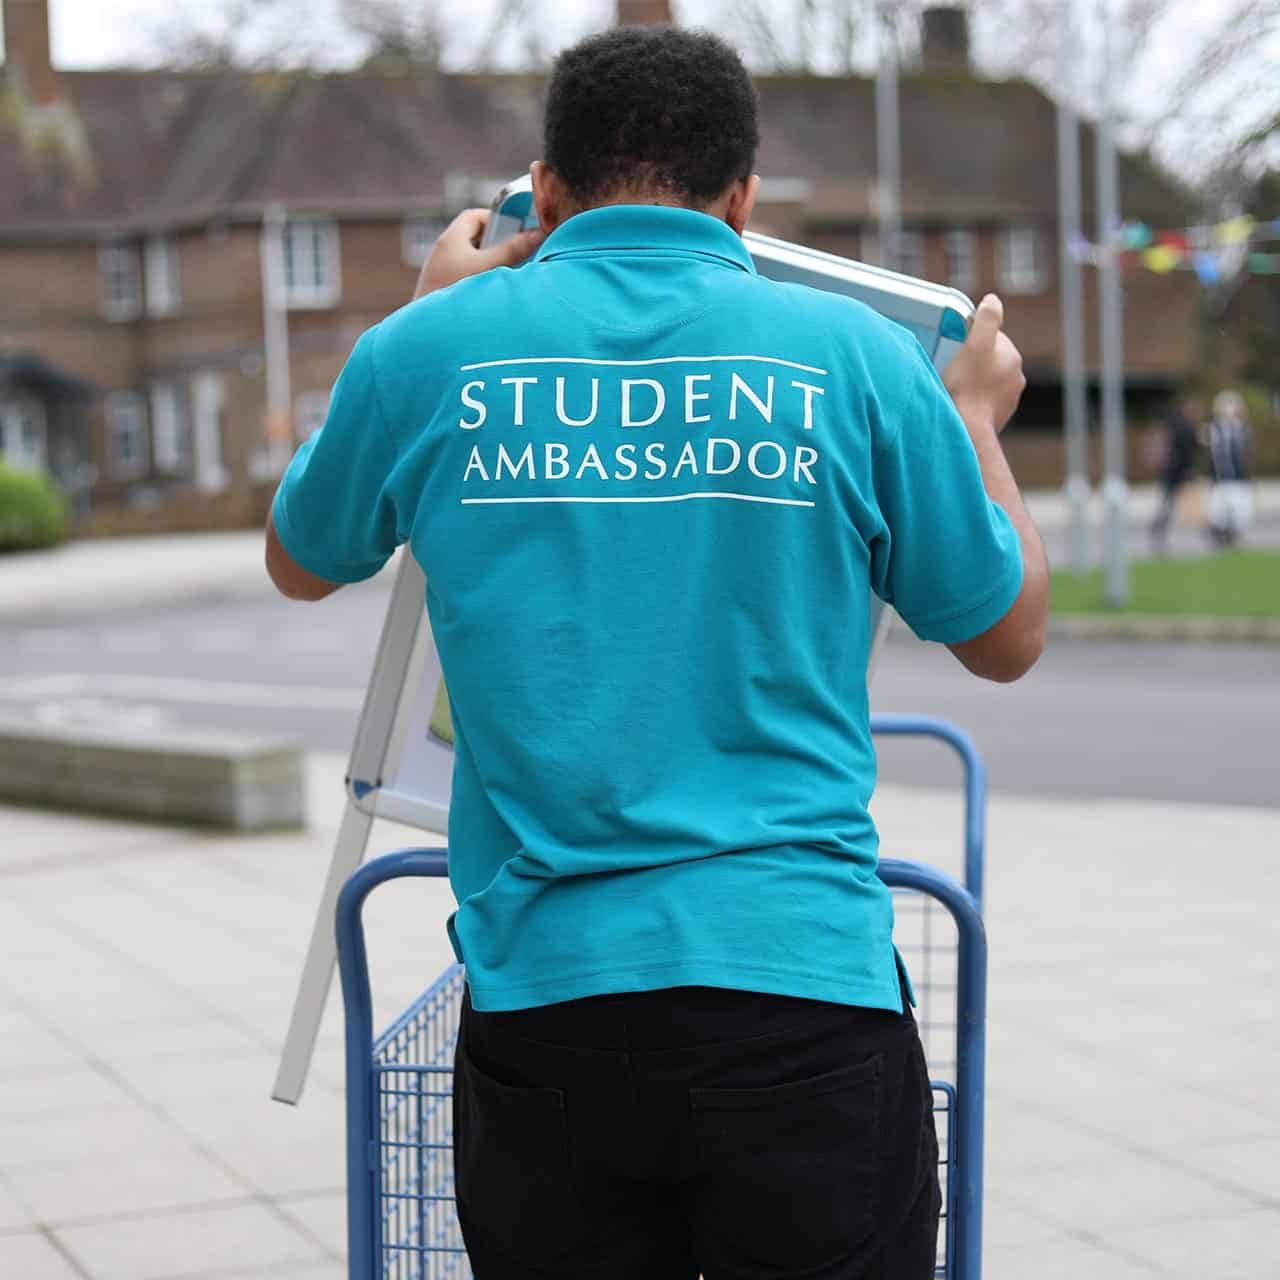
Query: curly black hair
[650, 109]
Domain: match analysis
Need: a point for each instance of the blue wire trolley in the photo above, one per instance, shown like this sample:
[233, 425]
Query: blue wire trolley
[401, 1220]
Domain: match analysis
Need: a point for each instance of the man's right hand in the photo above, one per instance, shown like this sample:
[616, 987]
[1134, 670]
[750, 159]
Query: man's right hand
[985, 376]
[457, 253]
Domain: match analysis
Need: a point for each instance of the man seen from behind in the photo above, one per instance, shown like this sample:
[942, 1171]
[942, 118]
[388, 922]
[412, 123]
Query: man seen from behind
[652, 493]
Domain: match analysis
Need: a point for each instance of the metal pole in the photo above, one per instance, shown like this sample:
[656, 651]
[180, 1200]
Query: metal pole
[888, 142]
[1111, 331]
[1075, 408]
[275, 330]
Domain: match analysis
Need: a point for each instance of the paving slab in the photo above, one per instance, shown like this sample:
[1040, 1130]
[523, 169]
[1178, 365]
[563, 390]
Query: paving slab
[33, 1256]
[108, 1184]
[1244, 1244]
[14, 1216]
[324, 1216]
[199, 1243]
[1064, 1258]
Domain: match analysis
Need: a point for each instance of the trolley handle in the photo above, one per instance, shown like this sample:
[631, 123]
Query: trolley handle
[964, 1214]
[975, 785]
[353, 956]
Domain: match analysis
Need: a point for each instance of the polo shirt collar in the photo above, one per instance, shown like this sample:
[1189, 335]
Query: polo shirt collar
[647, 228]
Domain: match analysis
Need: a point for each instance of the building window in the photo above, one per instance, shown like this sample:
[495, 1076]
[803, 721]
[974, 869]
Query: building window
[960, 246]
[22, 435]
[208, 398]
[417, 236]
[161, 276]
[1019, 262]
[310, 410]
[126, 434]
[311, 271]
[910, 252]
[170, 430]
[121, 283]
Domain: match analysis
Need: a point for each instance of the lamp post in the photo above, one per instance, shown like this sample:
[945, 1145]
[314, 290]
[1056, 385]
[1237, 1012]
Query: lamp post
[278, 433]
[1074, 403]
[1111, 334]
[888, 140]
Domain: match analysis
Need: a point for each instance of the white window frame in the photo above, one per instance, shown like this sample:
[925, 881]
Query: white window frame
[310, 263]
[1020, 264]
[208, 410]
[24, 434]
[960, 248]
[910, 252]
[160, 276]
[170, 429]
[125, 414]
[417, 236]
[121, 274]
[310, 409]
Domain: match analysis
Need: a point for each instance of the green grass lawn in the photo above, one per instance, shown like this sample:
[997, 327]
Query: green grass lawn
[1229, 584]
[442, 716]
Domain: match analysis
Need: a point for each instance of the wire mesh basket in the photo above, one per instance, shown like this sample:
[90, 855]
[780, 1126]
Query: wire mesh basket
[403, 1224]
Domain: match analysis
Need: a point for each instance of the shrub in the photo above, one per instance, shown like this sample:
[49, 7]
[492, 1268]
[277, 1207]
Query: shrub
[33, 512]
[1264, 419]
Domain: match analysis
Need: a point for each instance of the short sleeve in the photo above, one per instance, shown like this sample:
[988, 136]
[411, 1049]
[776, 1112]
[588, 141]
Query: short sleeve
[333, 511]
[949, 560]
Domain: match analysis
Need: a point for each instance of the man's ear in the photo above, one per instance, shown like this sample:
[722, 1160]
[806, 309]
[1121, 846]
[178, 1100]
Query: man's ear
[742, 200]
[550, 199]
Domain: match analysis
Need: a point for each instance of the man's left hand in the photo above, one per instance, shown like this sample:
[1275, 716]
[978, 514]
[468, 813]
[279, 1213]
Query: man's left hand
[457, 253]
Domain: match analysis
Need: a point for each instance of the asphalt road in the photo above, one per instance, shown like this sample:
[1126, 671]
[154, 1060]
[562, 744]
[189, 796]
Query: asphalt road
[1165, 722]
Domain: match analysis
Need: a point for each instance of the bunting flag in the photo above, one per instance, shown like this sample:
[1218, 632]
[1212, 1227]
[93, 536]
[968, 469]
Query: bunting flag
[1236, 231]
[1162, 259]
[1214, 251]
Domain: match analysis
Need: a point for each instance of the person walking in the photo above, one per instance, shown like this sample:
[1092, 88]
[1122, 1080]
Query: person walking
[1180, 454]
[652, 493]
[1231, 499]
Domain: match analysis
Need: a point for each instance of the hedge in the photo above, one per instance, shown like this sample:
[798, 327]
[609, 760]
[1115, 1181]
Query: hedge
[33, 512]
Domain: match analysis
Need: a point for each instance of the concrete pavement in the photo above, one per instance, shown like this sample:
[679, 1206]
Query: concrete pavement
[91, 577]
[146, 975]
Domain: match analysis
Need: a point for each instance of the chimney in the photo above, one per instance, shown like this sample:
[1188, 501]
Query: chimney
[26, 49]
[645, 13]
[945, 42]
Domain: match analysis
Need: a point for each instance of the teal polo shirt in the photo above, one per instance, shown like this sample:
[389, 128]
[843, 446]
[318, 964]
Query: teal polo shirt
[652, 492]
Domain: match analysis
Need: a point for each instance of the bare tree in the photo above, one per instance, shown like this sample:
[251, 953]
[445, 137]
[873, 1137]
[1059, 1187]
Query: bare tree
[242, 33]
[802, 36]
[516, 33]
[1197, 84]
[415, 34]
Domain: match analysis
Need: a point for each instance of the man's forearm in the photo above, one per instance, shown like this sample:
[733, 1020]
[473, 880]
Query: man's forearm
[290, 578]
[1017, 640]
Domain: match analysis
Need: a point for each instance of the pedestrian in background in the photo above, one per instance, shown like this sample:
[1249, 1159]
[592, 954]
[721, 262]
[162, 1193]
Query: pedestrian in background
[1231, 502]
[1180, 452]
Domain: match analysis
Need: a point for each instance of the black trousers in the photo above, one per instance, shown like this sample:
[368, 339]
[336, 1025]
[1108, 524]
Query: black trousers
[695, 1131]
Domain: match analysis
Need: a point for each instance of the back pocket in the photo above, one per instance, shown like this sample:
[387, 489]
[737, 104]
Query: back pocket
[790, 1174]
[512, 1166]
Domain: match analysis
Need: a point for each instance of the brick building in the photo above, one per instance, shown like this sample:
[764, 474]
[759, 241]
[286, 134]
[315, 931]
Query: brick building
[186, 257]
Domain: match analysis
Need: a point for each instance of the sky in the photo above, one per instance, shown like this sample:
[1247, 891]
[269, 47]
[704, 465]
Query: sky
[97, 33]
